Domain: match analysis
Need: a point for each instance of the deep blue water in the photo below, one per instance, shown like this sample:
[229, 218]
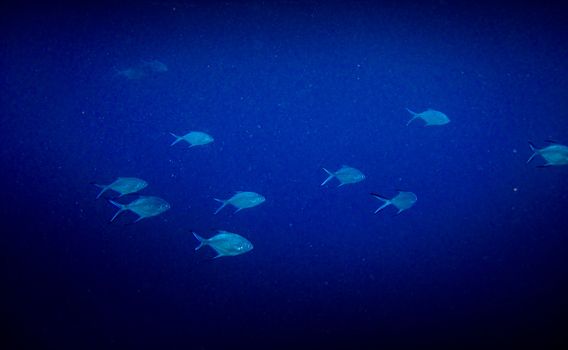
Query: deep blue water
[285, 88]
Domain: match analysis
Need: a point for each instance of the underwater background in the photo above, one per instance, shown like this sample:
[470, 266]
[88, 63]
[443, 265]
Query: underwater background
[286, 88]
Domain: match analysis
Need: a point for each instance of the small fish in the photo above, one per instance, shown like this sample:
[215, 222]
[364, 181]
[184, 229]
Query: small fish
[123, 185]
[402, 201]
[555, 154]
[345, 175]
[131, 73]
[154, 66]
[144, 207]
[430, 116]
[242, 200]
[194, 138]
[225, 243]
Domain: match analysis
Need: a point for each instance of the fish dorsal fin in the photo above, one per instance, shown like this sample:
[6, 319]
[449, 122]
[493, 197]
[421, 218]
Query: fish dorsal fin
[552, 141]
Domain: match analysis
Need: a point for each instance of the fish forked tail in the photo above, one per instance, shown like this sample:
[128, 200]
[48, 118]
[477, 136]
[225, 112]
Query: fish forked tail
[386, 200]
[104, 188]
[414, 116]
[331, 176]
[225, 202]
[178, 138]
[121, 207]
[202, 241]
[535, 152]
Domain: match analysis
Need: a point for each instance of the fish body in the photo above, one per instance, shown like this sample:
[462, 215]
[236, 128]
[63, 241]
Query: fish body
[555, 154]
[242, 200]
[345, 175]
[402, 201]
[430, 116]
[144, 207]
[124, 186]
[194, 138]
[225, 243]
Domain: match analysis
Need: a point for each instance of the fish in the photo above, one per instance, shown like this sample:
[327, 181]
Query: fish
[154, 66]
[144, 207]
[554, 154]
[225, 243]
[194, 138]
[131, 73]
[402, 201]
[242, 200]
[142, 70]
[430, 116]
[123, 185]
[345, 175]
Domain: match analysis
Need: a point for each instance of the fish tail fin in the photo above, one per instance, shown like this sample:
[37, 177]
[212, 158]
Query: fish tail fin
[178, 138]
[222, 205]
[331, 176]
[386, 204]
[202, 241]
[414, 116]
[121, 207]
[535, 152]
[103, 187]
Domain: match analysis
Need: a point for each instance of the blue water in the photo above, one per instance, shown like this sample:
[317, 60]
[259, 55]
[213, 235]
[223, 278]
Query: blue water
[285, 88]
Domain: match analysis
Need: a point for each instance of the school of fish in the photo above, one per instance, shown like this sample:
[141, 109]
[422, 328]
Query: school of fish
[226, 243]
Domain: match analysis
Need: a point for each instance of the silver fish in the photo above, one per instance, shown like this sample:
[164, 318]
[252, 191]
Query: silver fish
[154, 66]
[242, 200]
[144, 207]
[225, 243]
[194, 138]
[430, 116]
[131, 73]
[142, 70]
[345, 175]
[555, 154]
[123, 185]
[402, 201]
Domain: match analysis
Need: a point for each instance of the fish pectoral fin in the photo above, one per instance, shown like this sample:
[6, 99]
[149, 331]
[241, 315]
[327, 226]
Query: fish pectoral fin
[238, 209]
